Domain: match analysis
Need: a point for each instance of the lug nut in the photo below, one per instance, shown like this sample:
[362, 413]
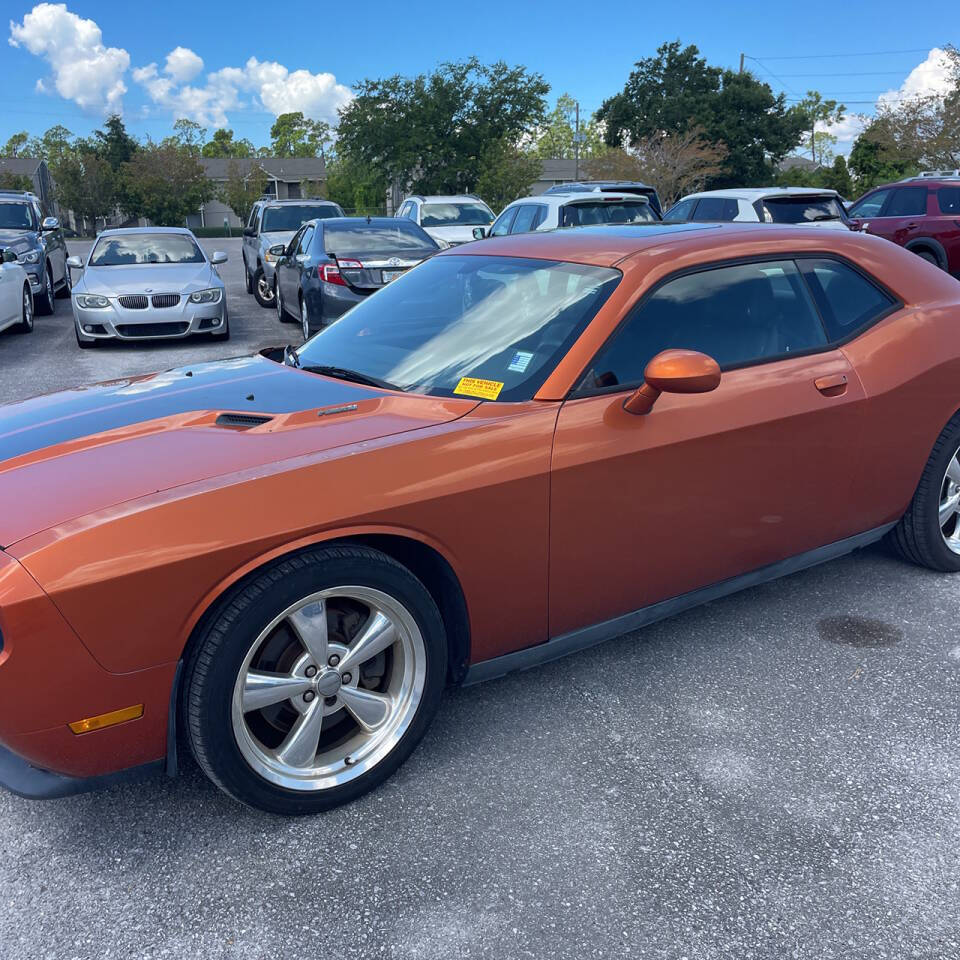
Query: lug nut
[308, 696]
[346, 678]
[329, 701]
[311, 671]
[334, 660]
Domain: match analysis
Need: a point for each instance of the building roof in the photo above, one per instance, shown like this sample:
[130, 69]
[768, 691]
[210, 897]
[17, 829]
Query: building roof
[798, 163]
[559, 169]
[20, 166]
[288, 169]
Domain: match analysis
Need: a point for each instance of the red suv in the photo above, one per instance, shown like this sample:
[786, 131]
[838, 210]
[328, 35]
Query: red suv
[921, 214]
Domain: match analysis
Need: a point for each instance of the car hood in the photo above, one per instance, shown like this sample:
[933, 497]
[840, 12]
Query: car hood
[150, 277]
[267, 240]
[71, 454]
[18, 239]
[452, 234]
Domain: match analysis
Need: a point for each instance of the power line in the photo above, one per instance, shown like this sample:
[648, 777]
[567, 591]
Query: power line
[828, 56]
[863, 73]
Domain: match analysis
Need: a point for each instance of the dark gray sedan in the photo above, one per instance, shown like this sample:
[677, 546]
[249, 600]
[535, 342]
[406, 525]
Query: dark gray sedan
[332, 264]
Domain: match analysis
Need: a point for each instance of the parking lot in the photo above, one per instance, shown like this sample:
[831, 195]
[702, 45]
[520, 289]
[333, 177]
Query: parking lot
[773, 775]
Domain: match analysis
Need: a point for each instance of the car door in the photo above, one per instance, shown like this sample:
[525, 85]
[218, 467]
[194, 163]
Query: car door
[504, 222]
[707, 486]
[901, 218]
[301, 258]
[287, 271]
[526, 218]
[9, 293]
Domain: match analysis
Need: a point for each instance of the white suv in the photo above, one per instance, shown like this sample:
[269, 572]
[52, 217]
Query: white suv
[450, 219]
[576, 209]
[803, 205]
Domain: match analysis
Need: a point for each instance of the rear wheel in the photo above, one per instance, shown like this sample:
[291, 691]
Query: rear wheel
[929, 533]
[26, 311]
[928, 256]
[262, 289]
[46, 300]
[315, 680]
[304, 318]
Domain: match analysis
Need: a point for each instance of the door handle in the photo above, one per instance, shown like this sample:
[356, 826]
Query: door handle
[912, 226]
[833, 385]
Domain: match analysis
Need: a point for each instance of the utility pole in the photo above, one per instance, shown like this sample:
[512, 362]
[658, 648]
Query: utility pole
[741, 62]
[576, 145]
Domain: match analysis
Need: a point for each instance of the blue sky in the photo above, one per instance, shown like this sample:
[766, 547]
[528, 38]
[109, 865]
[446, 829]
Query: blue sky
[226, 61]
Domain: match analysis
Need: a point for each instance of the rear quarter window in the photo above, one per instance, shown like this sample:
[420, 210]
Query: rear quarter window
[847, 300]
[721, 209]
[948, 199]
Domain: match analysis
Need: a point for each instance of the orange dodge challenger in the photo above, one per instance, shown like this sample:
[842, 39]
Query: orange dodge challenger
[520, 448]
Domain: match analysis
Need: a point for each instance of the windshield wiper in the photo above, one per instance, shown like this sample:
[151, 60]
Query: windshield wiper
[355, 376]
[824, 216]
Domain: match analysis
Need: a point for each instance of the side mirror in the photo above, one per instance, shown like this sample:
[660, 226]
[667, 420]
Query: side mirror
[277, 250]
[74, 263]
[49, 223]
[218, 257]
[249, 232]
[479, 233]
[674, 371]
[9, 255]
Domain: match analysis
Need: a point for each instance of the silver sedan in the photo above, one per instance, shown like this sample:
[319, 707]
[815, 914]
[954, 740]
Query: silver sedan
[148, 283]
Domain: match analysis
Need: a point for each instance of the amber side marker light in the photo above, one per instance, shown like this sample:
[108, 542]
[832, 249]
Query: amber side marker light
[107, 719]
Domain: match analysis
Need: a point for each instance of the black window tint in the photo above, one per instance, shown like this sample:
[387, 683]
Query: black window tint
[801, 209]
[847, 300]
[524, 219]
[737, 315]
[540, 217]
[305, 239]
[716, 208]
[907, 202]
[504, 222]
[871, 205]
[681, 210]
[949, 200]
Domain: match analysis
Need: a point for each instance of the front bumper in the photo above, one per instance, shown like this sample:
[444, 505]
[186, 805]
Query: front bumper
[35, 273]
[117, 322]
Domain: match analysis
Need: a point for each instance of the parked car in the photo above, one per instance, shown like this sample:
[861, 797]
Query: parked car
[449, 219]
[16, 300]
[611, 186]
[548, 211]
[279, 561]
[330, 265]
[272, 222]
[148, 283]
[794, 205]
[39, 244]
[921, 213]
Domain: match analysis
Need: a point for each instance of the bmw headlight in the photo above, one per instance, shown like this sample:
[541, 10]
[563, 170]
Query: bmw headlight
[31, 256]
[92, 301]
[206, 296]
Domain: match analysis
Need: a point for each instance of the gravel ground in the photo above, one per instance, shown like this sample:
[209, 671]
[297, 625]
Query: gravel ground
[775, 775]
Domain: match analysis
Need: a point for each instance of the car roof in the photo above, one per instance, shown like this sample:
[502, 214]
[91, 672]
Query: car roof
[361, 221]
[114, 231]
[581, 196]
[596, 186]
[763, 193]
[446, 198]
[313, 201]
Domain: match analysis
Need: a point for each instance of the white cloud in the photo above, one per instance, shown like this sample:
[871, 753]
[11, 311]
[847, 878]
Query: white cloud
[183, 64]
[930, 78]
[84, 70]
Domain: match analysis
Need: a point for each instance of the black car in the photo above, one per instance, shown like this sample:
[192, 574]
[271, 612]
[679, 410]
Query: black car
[38, 243]
[330, 265]
[612, 186]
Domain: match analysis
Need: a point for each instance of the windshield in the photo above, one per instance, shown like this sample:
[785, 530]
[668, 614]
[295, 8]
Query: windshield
[16, 216]
[801, 209]
[593, 212]
[480, 326]
[292, 216]
[358, 239]
[455, 215]
[139, 248]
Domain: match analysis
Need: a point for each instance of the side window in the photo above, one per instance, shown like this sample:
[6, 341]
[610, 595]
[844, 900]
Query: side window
[304, 245]
[294, 242]
[716, 208]
[504, 222]
[523, 222]
[948, 199]
[259, 216]
[907, 202]
[870, 205]
[404, 210]
[412, 213]
[681, 210]
[847, 299]
[540, 217]
[738, 315]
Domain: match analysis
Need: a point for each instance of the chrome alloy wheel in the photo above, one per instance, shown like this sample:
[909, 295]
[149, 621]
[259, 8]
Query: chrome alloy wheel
[264, 288]
[27, 310]
[48, 286]
[304, 319]
[950, 504]
[276, 298]
[328, 688]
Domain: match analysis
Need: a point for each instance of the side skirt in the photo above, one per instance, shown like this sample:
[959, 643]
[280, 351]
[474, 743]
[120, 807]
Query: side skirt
[576, 640]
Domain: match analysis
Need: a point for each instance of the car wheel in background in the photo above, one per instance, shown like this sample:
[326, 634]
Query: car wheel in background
[247, 279]
[314, 680]
[929, 533]
[67, 287]
[45, 302]
[26, 311]
[278, 301]
[928, 256]
[304, 318]
[262, 289]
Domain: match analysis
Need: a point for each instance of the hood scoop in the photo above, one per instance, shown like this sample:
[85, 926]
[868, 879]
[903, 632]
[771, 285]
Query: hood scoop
[241, 421]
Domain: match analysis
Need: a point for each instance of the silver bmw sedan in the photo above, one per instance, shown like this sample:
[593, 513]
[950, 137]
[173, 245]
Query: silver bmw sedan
[148, 283]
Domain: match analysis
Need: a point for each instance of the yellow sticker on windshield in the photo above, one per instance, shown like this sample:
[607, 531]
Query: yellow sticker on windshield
[473, 387]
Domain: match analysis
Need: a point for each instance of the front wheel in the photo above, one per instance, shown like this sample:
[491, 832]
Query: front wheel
[315, 680]
[46, 301]
[262, 289]
[247, 279]
[929, 533]
[26, 311]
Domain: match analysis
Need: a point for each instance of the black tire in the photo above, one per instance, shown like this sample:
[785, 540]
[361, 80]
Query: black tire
[26, 311]
[263, 301]
[45, 301]
[918, 537]
[929, 256]
[67, 285]
[215, 659]
[248, 280]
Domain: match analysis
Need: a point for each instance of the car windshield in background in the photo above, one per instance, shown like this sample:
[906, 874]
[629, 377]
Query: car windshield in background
[292, 216]
[140, 248]
[477, 326]
[357, 239]
[801, 209]
[16, 216]
[606, 211]
[455, 215]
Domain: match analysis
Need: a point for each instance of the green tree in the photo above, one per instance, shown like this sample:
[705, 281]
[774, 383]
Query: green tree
[677, 91]
[432, 132]
[294, 135]
[189, 135]
[17, 145]
[506, 172]
[15, 181]
[113, 143]
[85, 183]
[243, 187]
[53, 145]
[822, 113]
[555, 140]
[164, 183]
[223, 145]
[358, 187]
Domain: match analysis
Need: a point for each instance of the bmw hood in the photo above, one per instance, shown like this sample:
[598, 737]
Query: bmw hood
[147, 278]
[71, 454]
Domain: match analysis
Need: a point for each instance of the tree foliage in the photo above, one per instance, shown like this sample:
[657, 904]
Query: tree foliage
[222, 145]
[17, 145]
[164, 183]
[432, 132]
[555, 139]
[294, 135]
[14, 181]
[356, 186]
[677, 91]
[506, 173]
[242, 188]
[85, 183]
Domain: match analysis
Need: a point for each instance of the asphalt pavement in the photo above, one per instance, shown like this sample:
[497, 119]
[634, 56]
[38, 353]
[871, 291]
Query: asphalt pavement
[775, 775]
